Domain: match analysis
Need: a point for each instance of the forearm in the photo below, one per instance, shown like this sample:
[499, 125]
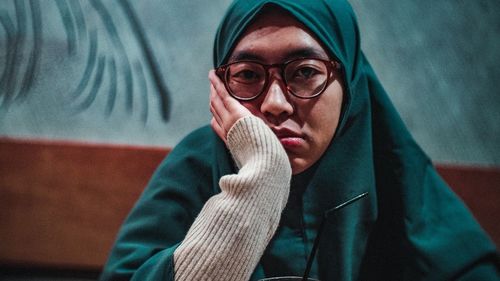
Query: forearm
[234, 227]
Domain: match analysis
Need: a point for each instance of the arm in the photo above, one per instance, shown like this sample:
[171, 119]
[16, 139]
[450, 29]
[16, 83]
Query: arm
[234, 227]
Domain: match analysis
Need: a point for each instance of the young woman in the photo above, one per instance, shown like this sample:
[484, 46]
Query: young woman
[300, 124]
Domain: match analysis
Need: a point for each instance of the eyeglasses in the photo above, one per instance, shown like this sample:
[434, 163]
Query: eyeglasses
[303, 77]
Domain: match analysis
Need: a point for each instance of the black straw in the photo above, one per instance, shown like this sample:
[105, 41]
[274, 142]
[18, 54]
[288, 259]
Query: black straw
[320, 230]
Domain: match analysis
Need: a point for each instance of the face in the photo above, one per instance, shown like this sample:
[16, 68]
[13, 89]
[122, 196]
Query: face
[305, 127]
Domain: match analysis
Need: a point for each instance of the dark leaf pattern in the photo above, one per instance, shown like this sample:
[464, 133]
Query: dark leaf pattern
[103, 68]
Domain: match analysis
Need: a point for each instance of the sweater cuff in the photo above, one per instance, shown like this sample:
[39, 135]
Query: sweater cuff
[251, 138]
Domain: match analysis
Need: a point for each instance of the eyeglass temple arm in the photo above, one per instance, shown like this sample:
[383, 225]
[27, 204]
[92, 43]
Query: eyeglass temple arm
[320, 231]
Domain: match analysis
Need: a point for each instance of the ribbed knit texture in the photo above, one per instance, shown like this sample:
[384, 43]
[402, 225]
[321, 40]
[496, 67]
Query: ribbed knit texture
[234, 227]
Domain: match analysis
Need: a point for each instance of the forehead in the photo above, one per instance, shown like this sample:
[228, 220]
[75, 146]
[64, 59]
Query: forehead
[275, 36]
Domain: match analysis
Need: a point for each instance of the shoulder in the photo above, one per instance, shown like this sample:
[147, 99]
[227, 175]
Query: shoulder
[194, 159]
[199, 145]
[188, 170]
[201, 138]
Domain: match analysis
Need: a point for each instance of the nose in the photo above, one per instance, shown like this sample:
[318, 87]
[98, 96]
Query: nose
[276, 105]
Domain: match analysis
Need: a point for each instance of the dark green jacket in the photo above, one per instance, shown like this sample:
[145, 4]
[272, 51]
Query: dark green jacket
[396, 234]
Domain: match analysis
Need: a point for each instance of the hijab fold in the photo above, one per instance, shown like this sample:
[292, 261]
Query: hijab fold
[405, 229]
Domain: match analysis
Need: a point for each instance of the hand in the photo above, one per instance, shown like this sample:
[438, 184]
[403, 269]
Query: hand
[225, 109]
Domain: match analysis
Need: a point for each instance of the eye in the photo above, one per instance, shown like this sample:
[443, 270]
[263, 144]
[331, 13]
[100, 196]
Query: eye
[305, 72]
[246, 73]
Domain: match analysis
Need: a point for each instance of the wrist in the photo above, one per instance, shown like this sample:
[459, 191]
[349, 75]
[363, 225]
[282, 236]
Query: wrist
[250, 139]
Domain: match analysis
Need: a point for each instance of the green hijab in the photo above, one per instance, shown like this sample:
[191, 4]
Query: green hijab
[410, 227]
[411, 222]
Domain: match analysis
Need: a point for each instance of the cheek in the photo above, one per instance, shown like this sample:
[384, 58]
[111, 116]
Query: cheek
[323, 118]
[252, 107]
[323, 126]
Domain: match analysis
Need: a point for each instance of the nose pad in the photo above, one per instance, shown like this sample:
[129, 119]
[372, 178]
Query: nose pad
[276, 105]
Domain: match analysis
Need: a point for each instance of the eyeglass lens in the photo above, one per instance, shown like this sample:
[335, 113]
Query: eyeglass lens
[304, 78]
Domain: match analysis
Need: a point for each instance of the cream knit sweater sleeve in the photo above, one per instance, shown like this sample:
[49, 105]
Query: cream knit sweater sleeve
[234, 227]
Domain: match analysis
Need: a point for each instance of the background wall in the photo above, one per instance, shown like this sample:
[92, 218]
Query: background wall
[439, 62]
[135, 72]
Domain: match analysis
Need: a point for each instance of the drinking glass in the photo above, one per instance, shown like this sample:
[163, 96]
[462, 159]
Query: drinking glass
[305, 277]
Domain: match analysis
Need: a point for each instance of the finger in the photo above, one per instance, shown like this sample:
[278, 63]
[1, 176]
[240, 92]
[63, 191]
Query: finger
[228, 109]
[218, 84]
[218, 129]
[231, 104]
[215, 115]
[217, 106]
[222, 116]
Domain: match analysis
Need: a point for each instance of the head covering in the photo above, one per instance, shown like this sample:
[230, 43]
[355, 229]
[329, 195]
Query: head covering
[408, 225]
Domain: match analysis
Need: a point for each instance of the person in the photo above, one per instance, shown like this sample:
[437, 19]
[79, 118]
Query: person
[300, 124]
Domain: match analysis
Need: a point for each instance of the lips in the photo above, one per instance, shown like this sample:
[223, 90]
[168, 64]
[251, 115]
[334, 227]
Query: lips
[289, 138]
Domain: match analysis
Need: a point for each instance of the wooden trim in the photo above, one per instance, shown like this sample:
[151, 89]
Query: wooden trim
[62, 202]
[479, 188]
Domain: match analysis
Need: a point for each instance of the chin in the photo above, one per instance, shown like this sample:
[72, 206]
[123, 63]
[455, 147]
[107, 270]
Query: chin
[298, 166]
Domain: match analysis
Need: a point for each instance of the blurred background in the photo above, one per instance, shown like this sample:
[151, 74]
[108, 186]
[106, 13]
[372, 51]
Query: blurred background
[89, 84]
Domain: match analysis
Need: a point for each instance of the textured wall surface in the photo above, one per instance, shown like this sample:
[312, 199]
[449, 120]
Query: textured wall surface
[106, 71]
[135, 71]
[439, 62]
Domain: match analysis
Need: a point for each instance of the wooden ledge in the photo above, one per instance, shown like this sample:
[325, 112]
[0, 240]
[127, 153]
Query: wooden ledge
[63, 202]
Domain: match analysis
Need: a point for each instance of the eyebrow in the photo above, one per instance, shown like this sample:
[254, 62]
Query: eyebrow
[245, 55]
[306, 52]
